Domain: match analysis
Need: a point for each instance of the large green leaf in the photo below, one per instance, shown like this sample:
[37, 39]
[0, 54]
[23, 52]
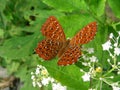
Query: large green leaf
[74, 23]
[115, 6]
[66, 5]
[68, 75]
[18, 47]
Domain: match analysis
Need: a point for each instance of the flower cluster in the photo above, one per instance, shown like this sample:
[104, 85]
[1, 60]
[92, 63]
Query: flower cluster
[89, 61]
[41, 78]
[112, 46]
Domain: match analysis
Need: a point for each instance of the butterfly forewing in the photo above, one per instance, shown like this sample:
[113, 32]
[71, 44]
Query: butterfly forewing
[70, 56]
[85, 35]
[53, 30]
[48, 49]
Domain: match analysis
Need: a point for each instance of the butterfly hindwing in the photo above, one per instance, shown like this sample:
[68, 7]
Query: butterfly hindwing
[48, 49]
[53, 30]
[70, 56]
[85, 35]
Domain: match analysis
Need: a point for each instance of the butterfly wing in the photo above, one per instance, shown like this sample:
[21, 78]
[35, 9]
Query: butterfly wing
[70, 56]
[85, 35]
[73, 51]
[53, 30]
[47, 49]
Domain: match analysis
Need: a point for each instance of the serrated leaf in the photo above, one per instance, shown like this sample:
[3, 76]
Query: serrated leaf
[115, 6]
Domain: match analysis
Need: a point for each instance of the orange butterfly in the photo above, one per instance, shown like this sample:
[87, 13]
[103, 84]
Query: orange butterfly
[56, 43]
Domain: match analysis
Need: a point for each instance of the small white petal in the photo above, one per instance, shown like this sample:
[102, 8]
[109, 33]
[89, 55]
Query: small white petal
[107, 45]
[34, 84]
[115, 45]
[108, 60]
[37, 71]
[86, 77]
[93, 59]
[52, 79]
[118, 72]
[118, 63]
[116, 88]
[32, 73]
[33, 77]
[117, 51]
[84, 63]
[45, 81]
[111, 35]
[90, 50]
[58, 86]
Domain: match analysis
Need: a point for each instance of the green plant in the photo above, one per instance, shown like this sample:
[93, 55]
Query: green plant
[20, 23]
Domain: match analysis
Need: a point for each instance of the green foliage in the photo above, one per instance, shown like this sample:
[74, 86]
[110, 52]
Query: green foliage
[20, 23]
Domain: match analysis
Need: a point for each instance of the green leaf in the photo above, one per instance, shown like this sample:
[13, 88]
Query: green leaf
[13, 67]
[96, 6]
[115, 6]
[66, 5]
[72, 24]
[2, 4]
[68, 75]
[18, 47]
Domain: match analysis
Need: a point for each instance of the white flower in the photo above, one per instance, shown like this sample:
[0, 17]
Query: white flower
[118, 72]
[51, 79]
[93, 59]
[84, 63]
[45, 81]
[32, 73]
[34, 84]
[86, 77]
[115, 88]
[117, 51]
[39, 66]
[111, 35]
[107, 45]
[33, 77]
[118, 63]
[37, 71]
[58, 86]
[85, 58]
[90, 50]
[115, 45]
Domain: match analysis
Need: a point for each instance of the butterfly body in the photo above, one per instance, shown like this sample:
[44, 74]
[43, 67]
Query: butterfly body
[56, 44]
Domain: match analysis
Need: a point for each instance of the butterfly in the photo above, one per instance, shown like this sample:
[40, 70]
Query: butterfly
[56, 44]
